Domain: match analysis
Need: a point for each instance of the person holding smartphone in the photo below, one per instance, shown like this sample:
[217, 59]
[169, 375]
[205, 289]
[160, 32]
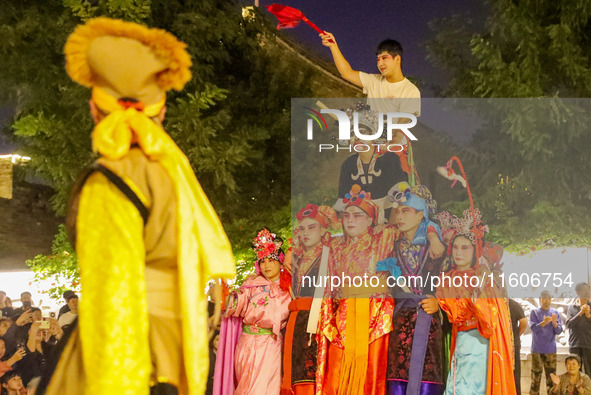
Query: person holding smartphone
[6, 363]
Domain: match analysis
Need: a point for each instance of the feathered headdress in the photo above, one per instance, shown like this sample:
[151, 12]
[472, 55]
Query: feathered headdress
[471, 225]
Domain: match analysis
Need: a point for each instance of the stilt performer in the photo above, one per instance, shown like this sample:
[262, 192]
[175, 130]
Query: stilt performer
[146, 236]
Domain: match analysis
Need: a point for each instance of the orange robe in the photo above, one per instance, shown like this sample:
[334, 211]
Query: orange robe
[354, 321]
[489, 313]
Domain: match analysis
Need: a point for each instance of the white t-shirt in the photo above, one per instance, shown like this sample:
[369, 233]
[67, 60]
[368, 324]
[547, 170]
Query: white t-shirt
[404, 95]
[67, 318]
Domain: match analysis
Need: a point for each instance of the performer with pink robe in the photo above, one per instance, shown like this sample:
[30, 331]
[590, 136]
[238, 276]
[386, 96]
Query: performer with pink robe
[262, 303]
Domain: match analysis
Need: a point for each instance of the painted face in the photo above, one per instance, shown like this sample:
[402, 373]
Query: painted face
[572, 366]
[462, 252]
[311, 232]
[545, 303]
[355, 221]
[387, 64]
[270, 268]
[407, 218]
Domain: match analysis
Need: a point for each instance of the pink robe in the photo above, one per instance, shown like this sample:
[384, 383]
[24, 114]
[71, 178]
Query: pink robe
[257, 359]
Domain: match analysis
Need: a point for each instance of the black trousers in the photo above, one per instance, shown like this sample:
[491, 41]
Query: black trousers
[517, 371]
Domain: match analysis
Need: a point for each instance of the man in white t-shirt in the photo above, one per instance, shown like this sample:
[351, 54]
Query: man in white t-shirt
[389, 84]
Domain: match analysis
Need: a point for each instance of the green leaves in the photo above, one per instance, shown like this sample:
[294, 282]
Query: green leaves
[538, 51]
[61, 267]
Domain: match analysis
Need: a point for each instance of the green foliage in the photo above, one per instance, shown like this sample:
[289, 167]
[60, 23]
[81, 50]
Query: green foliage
[61, 267]
[232, 119]
[526, 49]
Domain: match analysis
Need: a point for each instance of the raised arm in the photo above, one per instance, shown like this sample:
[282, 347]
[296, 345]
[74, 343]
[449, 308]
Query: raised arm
[343, 66]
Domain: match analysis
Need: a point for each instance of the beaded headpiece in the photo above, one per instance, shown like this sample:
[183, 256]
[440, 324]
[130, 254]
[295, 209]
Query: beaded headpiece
[267, 245]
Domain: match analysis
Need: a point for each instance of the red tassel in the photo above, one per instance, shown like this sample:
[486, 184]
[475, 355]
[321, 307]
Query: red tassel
[285, 280]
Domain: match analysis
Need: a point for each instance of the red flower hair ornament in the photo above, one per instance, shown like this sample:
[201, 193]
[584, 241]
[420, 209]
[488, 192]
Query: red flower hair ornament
[267, 245]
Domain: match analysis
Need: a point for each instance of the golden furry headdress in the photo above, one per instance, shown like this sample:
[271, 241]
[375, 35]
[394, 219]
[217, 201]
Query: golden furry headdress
[127, 60]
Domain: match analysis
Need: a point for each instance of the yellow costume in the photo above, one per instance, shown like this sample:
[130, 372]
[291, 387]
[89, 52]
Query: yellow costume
[143, 314]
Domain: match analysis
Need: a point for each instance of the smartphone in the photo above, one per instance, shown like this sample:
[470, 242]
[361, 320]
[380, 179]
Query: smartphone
[44, 324]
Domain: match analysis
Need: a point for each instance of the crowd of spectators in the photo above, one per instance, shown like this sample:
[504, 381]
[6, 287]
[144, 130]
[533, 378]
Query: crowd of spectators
[26, 339]
[546, 324]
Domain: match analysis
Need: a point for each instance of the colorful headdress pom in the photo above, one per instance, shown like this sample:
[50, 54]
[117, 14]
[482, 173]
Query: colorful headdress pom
[358, 197]
[399, 192]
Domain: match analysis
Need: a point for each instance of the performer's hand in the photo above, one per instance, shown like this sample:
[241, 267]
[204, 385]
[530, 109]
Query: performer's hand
[430, 305]
[579, 386]
[555, 379]
[328, 40]
[554, 320]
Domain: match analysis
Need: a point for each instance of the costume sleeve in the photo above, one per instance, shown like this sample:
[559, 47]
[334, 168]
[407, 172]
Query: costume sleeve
[238, 303]
[485, 313]
[113, 310]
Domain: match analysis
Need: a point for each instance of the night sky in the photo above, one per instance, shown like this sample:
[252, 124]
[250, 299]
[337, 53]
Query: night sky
[359, 26]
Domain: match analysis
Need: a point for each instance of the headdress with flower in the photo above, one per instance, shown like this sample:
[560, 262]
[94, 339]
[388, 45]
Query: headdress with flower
[267, 245]
[418, 197]
[359, 198]
[471, 225]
